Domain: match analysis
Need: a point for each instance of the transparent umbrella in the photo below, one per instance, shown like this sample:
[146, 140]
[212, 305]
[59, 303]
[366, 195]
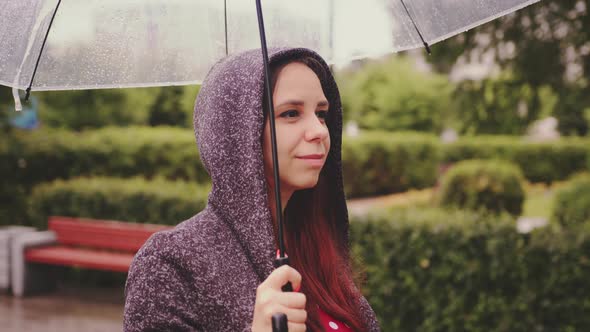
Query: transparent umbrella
[57, 45]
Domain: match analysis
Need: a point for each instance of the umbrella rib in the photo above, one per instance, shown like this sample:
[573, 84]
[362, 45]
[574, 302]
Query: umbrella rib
[41, 51]
[225, 22]
[416, 27]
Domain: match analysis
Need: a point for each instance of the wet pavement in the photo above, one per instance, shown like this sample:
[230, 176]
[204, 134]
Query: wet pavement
[66, 309]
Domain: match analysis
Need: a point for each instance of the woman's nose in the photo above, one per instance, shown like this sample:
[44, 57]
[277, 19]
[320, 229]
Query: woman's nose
[317, 129]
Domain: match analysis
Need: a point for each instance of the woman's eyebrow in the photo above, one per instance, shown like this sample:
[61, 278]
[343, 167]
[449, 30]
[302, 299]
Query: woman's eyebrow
[300, 103]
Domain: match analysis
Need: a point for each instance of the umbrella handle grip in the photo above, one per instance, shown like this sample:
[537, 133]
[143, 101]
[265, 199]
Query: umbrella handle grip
[279, 320]
[280, 261]
[279, 323]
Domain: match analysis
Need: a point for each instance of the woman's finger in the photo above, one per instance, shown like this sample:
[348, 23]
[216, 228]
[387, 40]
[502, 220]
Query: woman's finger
[295, 327]
[280, 276]
[292, 300]
[298, 316]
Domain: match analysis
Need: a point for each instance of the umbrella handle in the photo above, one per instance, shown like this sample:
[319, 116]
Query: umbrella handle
[279, 320]
[279, 323]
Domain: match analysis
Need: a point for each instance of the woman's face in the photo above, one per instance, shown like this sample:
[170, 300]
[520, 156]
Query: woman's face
[303, 140]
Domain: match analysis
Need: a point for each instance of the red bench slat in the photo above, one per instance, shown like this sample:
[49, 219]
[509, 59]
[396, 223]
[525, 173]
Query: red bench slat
[86, 258]
[103, 234]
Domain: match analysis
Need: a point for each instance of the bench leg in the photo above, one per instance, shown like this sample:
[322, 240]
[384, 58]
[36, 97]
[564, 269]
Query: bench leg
[7, 233]
[28, 278]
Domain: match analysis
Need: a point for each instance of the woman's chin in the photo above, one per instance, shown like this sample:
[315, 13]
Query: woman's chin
[306, 183]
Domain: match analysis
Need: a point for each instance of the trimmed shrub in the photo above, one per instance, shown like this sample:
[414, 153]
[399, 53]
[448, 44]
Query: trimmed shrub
[12, 191]
[136, 200]
[374, 163]
[118, 152]
[539, 161]
[12, 204]
[434, 270]
[494, 186]
[377, 162]
[572, 202]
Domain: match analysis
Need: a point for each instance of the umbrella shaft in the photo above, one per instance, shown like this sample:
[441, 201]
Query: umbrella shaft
[273, 134]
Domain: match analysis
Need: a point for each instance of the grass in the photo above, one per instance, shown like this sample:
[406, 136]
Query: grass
[538, 201]
[410, 198]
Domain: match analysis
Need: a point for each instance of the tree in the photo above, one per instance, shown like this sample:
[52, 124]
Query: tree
[167, 108]
[86, 109]
[393, 95]
[5, 98]
[493, 106]
[545, 44]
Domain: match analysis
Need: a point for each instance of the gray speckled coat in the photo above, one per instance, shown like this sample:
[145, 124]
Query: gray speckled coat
[203, 274]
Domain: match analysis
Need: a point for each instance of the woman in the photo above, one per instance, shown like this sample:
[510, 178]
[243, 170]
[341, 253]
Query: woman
[214, 272]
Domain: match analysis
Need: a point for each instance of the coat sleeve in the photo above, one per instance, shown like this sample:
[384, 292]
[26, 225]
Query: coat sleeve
[158, 292]
[369, 316]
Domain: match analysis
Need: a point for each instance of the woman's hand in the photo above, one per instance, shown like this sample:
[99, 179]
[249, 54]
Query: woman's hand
[270, 299]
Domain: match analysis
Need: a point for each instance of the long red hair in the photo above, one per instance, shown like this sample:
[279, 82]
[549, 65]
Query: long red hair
[315, 248]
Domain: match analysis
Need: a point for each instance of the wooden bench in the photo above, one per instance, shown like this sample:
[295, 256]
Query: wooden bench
[86, 243]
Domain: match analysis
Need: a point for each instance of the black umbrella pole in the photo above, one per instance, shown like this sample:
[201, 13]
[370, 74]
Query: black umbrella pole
[282, 259]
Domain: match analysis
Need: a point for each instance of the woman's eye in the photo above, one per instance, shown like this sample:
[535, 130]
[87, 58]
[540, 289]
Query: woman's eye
[290, 114]
[322, 114]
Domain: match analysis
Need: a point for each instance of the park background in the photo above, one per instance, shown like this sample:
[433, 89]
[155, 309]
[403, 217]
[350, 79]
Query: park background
[467, 174]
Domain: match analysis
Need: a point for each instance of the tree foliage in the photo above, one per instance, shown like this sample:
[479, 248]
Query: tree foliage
[545, 44]
[166, 109]
[494, 106]
[88, 109]
[393, 95]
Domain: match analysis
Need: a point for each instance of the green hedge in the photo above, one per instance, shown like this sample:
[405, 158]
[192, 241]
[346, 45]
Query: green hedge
[45, 155]
[572, 202]
[540, 162]
[432, 270]
[427, 269]
[374, 162]
[491, 185]
[136, 200]
[378, 162]
[30, 158]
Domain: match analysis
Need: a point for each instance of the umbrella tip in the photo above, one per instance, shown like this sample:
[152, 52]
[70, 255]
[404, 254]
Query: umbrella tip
[28, 94]
[427, 48]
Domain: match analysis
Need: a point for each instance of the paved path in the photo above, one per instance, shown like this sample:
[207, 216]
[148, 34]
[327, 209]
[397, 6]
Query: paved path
[361, 206]
[64, 310]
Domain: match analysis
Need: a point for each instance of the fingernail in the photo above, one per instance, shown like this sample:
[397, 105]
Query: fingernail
[279, 254]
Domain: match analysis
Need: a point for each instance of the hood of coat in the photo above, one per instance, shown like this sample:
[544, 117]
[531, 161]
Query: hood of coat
[229, 124]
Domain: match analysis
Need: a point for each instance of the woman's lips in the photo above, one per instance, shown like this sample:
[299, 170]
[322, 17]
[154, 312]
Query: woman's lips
[313, 160]
[311, 156]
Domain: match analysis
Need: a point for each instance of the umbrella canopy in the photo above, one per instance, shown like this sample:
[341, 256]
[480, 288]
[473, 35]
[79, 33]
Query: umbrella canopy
[50, 45]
